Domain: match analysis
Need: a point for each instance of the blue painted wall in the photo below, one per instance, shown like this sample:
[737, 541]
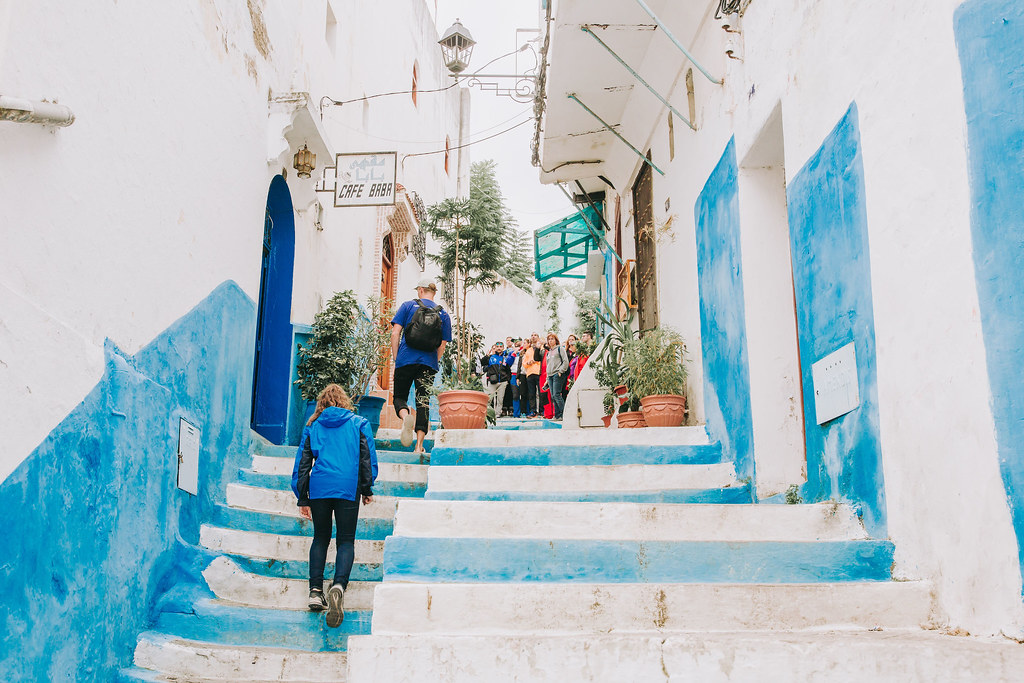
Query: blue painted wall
[832, 278]
[989, 37]
[722, 317]
[95, 530]
[273, 388]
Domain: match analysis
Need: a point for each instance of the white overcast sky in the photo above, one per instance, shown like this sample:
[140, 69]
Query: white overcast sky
[493, 25]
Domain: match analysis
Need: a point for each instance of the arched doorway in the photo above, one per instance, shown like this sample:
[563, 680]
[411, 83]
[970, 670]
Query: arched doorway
[272, 370]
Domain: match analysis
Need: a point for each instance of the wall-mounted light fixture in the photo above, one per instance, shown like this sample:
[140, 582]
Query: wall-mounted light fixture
[456, 47]
[304, 162]
[456, 50]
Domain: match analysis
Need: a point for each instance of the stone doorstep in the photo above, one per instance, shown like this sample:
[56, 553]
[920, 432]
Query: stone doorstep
[582, 478]
[230, 582]
[386, 471]
[746, 657]
[497, 438]
[579, 608]
[278, 502]
[279, 546]
[201, 661]
[638, 521]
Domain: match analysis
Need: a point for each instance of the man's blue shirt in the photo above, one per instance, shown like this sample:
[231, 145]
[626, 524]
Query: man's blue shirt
[409, 356]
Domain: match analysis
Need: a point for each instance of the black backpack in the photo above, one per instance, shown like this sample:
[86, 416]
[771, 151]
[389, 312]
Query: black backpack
[423, 332]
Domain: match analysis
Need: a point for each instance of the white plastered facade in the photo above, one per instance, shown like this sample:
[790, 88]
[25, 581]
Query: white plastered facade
[119, 224]
[802, 64]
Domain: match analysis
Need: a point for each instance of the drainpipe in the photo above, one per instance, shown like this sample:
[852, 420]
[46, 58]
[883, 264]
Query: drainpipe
[20, 110]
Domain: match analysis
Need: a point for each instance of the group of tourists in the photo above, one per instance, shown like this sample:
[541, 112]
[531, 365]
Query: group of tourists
[529, 377]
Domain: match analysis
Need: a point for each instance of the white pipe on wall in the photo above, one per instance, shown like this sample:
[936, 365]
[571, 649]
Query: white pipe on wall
[20, 110]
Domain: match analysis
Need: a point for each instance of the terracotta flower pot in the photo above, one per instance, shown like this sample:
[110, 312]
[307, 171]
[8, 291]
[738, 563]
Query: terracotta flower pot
[663, 410]
[631, 419]
[463, 409]
[607, 419]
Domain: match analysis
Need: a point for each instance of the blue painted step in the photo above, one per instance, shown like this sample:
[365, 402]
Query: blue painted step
[299, 569]
[275, 451]
[476, 560]
[229, 624]
[704, 454]
[370, 529]
[396, 445]
[730, 494]
[283, 482]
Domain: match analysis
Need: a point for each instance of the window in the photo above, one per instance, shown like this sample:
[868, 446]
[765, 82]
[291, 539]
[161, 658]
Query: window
[447, 154]
[331, 30]
[415, 82]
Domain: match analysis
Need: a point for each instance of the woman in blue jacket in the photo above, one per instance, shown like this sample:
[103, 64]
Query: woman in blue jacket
[335, 466]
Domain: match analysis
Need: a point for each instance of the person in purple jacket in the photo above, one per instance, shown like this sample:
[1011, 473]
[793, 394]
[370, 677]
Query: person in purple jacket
[335, 466]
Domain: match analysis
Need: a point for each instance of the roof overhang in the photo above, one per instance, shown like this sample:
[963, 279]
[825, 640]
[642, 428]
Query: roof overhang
[564, 246]
[574, 144]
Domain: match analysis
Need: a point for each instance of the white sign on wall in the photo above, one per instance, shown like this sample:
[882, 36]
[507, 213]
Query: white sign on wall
[365, 179]
[188, 456]
[836, 391]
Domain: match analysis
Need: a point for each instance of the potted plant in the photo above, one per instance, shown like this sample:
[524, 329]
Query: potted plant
[461, 400]
[654, 369]
[609, 370]
[349, 345]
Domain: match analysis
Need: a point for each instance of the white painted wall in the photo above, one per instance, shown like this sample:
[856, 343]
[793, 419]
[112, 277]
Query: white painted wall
[946, 504]
[506, 312]
[117, 225]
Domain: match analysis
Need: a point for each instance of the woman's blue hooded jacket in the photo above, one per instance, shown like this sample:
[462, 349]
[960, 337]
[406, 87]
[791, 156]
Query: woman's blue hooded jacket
[336, 458]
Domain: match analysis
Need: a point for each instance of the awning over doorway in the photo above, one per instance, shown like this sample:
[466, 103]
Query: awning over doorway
[564, 246]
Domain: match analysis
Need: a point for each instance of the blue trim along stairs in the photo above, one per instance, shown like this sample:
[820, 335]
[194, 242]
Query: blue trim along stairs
[254, 604]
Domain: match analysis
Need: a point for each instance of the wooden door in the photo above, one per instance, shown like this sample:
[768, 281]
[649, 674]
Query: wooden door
[387, 296]
[646, 265]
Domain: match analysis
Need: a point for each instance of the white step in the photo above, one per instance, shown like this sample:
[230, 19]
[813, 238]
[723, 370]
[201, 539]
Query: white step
[498, 438]
[279, 546]
[876, 656]
[190, 660]
[230, 582]
[582, 478]
[563, 609]
[386, 471]
[635, 521]
[283, 502]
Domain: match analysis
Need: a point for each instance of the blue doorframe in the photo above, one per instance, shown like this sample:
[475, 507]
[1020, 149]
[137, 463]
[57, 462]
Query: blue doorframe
[272, 371]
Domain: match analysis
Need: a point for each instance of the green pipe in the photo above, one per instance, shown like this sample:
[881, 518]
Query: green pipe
[572, 96]
[637, 76]
[676, 42]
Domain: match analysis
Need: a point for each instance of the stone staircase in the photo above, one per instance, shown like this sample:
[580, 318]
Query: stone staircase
[252, 624]
[539, 556]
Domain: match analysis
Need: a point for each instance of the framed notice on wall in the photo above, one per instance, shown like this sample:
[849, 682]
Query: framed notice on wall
[365, 179]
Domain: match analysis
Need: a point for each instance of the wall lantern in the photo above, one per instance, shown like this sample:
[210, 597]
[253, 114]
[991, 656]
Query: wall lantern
[304, 162]
[456, 47]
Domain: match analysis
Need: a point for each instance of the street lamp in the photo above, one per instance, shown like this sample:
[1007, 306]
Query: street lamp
[304, 162]
[457, 47]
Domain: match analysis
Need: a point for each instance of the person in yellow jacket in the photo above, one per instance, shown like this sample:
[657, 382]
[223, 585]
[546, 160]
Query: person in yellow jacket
[532, 353]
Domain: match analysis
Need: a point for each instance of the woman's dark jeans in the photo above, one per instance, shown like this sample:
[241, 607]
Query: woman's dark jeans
[346, 514]
[556, 383]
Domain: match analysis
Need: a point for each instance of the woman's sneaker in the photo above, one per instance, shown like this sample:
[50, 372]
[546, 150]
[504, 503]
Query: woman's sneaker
[335, 610]
[317, 602]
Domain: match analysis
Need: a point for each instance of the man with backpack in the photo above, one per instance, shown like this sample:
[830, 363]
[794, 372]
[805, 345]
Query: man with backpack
[419, 332]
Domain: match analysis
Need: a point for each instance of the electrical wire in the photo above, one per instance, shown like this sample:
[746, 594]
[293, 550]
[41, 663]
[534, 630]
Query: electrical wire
[409, 92]
[468, 144]
[432, 142]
